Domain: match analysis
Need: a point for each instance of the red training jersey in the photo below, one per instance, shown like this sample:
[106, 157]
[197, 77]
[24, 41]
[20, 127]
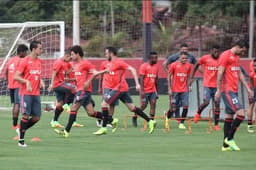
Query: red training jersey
[82, 74]
[60, 67]
[31, 69]
[180, 73]
[253, 77]
[71, 75]
[106, 82]
[150, 73]
[251, 69]
[12, 66]
[210, 70]
[231, 63]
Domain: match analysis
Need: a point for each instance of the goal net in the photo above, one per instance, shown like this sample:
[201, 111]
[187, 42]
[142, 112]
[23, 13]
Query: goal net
[52, 37]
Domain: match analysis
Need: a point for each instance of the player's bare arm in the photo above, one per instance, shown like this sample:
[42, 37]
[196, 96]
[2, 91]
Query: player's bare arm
[52, 80]
[241, 78]
[165, 66]
[193, 74]
[221, 70]
[17, 77]
[134, 73]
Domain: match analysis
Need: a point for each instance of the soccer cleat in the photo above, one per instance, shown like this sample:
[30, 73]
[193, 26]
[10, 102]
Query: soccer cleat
[66, 107]
[196, 117]
[99, 123]
[101, 131]
[250, 129]
[16, 127]
[182, 126]
[63, 133]
[55, 124]
[22, 144]
[216, 127]
[114, 124]
[75, 124]
[232, 144]
[134, 121]
[166, 123]
[152, 125]
[224, 149]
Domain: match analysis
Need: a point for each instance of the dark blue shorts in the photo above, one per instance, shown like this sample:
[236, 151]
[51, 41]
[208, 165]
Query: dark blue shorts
[14, 96]
[63, 91]
[231, 101]
[113, 96]
[252, 99]
[148, 97]
[179, 99]
[105, 92]
[209, 93]
[31, 105]
[84, 97]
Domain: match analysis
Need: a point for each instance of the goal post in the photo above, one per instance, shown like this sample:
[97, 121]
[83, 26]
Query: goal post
[52, 37]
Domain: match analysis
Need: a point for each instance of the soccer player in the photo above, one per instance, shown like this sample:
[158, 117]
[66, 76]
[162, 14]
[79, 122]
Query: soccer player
[85, 72]
[31, 68]
[191, 59]
[252, 100]
[148, 81]
[119, 90]
[178, 80]
[62, 89]
[228, 78]
[210, 65]
[13, 85]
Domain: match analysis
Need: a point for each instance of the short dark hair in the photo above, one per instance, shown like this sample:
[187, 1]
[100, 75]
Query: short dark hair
[242, 43]
[34, 44]
[153, 53]
[77, 49]
[254, 60]
[68, 51]
[112, 50]
[183, 45]
[183, 53]
[215, 46]
[22, 48]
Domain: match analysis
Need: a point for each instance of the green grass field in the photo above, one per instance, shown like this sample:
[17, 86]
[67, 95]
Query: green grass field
[126, 149]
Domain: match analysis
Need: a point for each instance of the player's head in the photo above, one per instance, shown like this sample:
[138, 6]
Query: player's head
[22, 50]
[76, 52]
[184, 48]
[67, 55]
[240, 47]
[36, 48]
[109, 52]
[153, 58]
[215, 51]
[183, 57]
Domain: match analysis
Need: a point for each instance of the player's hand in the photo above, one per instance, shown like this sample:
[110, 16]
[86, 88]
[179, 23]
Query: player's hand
[251, 93]
[137, 87]
[142, 94]
[29, 87]
[99, 91]
[170, 92]
[191, 81]
[217, 95]
[66, 79]
[190, 88]
[86, 85]
[50, 88]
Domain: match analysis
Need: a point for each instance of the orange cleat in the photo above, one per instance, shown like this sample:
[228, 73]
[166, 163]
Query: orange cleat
[196, 118]
[216, 127]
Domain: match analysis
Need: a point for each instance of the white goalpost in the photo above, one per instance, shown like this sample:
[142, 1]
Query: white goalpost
[52, 37]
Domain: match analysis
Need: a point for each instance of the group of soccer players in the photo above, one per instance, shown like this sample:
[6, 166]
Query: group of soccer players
[71, 83]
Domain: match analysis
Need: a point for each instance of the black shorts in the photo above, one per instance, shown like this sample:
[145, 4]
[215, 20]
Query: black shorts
[63, 91]
[231, 101]
[179, 99]
[31, 105]
[113, 95]
[106, 91]
[84, 97]
[14, 96]
[148, 97]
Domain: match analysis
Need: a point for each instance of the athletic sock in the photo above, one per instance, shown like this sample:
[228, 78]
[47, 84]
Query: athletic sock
[249, 121]
[104, 116]
[169, 113]
[97, 115]
[72, 118]
[227, 128]
[57, 113]
[202, 106]
[152, 116]
[14, 121]
[31, 122]
[216, 117]
[23, 127]
[234, 126]
[141, 114]
[110, 119]
[184, 114]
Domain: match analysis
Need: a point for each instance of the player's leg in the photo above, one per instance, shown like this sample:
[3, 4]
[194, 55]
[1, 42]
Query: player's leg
[152, 98]
[60, 97]
[184, 97]
[252, 101]
[206, 101]
[143, 106]
[16, 109]
[216, 115]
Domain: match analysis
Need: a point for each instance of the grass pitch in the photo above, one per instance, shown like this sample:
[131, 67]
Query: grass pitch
[129, 149]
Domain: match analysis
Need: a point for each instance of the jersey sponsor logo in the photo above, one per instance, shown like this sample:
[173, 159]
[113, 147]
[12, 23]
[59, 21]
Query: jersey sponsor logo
[181, 74]
[212, 68]
[78, 73]
[151, 75]
[235, 68]
[35, 72]
[112, 73]
[12, 66]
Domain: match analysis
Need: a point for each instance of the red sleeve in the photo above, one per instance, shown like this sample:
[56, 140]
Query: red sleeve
[171, 68]
[201, 61]
[190, 69]
[102, 66]
[251, 69]
[123, 65]
[251, 75]
[57, 66]
[157, 71]
[142, 70]
[223, 60]
[22, 65]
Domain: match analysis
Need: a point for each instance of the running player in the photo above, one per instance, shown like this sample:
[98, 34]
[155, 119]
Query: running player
[119, 90]
[11, 67]
[228, 78]
[31, 68]
[210, 65]
[178, 80]
[148, 81]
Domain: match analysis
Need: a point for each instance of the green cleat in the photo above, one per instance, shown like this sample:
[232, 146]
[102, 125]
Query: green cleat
[114, 124]
[182, 126]
[166, 123]
[250, 129]
[101, 131]
[224, 149]
[63, 133]
[75, 124]
[152, 125]
[66, 107]
[232, 144]
[55, 124]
